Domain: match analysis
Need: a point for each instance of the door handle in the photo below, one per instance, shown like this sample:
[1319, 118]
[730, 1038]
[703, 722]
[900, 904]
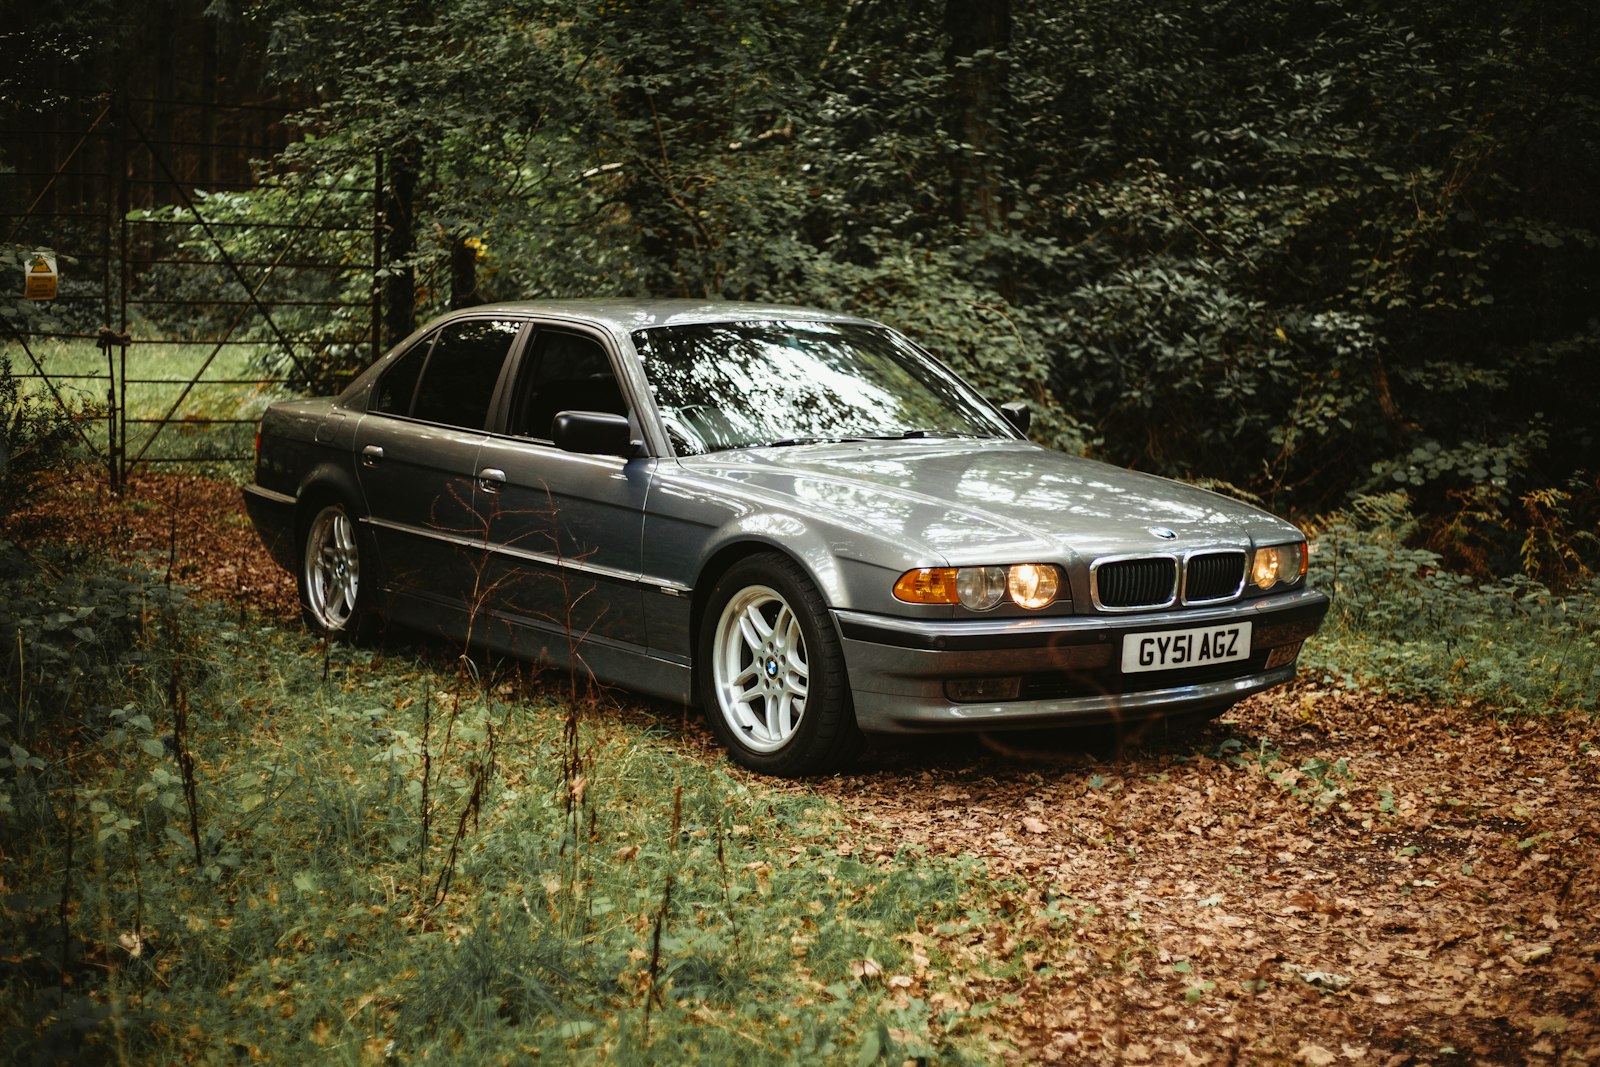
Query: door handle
[490, 479]
[370, 455]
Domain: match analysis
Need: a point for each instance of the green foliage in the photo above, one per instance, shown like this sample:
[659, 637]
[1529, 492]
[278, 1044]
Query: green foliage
[1314, 251]
[69, 638]
[36, 436]
[1401, 621]
[1307, 249]
[1291, 254]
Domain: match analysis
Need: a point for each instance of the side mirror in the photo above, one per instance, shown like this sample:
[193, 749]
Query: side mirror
[1019, 415]
[593, 433]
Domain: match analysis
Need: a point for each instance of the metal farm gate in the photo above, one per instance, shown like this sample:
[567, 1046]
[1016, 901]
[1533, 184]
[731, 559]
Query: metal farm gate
[201, 304]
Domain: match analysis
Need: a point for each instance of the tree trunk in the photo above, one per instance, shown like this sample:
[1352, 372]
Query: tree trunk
[980, 37]
[399, 211]
[463, 274]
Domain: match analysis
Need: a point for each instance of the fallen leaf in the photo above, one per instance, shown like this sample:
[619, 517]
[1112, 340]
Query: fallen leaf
[1326, 981]
[1534, 953]
[1315, 1055]
[867, 970]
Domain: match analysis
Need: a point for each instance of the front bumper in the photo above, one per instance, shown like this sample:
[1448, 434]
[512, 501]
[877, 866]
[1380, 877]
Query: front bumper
[1069, 666]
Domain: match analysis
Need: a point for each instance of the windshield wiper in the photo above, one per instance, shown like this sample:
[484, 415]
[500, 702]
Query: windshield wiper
[906, 435]
[788, 441]
[924, 434]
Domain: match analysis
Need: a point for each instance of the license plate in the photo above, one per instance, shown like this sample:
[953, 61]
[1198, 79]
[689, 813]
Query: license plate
[1200, 647]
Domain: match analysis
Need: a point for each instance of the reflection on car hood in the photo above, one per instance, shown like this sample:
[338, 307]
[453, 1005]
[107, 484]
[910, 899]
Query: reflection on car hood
[973, 501]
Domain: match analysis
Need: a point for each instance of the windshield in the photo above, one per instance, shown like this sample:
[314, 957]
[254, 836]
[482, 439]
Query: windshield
[726, 385]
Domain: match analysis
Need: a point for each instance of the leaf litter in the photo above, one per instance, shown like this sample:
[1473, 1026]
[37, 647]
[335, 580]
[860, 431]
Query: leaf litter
[1228, 899]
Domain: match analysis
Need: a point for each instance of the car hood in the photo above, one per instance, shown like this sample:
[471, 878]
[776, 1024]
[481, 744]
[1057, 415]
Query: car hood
[987, 501]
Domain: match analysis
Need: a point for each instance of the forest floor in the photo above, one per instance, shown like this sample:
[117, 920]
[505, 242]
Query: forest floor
[1326, 876]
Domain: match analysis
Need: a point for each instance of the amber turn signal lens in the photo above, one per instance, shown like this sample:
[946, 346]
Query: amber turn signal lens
[928, 585]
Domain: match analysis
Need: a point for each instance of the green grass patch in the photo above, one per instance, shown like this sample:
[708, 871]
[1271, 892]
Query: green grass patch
[226, 841]
[175, 395]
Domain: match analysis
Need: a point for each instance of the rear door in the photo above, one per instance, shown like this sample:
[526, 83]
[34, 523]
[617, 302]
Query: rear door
[416, 453]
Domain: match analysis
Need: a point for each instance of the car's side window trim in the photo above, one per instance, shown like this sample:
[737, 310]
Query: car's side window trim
[500, 406]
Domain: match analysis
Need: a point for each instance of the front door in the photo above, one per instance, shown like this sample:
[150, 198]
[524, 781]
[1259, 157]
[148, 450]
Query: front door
[564, 529]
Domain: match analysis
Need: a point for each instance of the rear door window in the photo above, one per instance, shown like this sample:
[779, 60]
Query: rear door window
[463, 368]
[450, 376]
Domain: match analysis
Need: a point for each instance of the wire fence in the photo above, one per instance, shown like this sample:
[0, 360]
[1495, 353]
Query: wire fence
[195, 279]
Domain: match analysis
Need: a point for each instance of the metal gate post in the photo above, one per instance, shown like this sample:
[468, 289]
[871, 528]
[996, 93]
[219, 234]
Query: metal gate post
[116, 417]
[117, 445]
[377, 255]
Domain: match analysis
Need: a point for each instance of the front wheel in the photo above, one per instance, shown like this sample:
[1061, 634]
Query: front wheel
[335, 595]
[772, 673]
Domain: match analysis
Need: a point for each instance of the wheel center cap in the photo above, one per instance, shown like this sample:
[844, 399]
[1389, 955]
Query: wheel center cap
[772, 668]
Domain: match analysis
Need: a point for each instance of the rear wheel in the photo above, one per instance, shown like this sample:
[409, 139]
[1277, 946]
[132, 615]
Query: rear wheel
[335, 595]
[772, 673]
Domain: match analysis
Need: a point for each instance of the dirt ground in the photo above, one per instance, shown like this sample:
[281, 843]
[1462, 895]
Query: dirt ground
[1323, 877]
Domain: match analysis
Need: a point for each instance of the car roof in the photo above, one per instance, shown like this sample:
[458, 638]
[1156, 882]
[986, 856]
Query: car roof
[623, 315]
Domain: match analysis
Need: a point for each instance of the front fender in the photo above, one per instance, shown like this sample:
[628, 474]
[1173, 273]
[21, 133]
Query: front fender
[693, 533]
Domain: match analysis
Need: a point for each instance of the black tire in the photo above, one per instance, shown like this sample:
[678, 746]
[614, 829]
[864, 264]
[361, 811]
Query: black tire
[336, 576]
[771, 671]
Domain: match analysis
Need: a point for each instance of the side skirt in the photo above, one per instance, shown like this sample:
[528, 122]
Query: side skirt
[608, 663]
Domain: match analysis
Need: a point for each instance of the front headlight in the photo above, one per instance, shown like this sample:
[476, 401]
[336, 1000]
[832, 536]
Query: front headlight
[1029, 585]
[980, 588]
[1274, 565]
[1033, 585]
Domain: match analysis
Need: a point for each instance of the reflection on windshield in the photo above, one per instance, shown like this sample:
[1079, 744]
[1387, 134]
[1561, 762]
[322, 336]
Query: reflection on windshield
[742, 384]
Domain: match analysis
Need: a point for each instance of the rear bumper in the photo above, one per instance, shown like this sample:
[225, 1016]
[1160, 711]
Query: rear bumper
[1069, 668]
[273, 515]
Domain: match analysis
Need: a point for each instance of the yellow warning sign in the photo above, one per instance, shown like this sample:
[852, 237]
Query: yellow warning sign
[40, 277]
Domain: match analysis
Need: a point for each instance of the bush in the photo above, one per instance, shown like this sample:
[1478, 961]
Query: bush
[35, 437]
[1400, 620]
[70, 642]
